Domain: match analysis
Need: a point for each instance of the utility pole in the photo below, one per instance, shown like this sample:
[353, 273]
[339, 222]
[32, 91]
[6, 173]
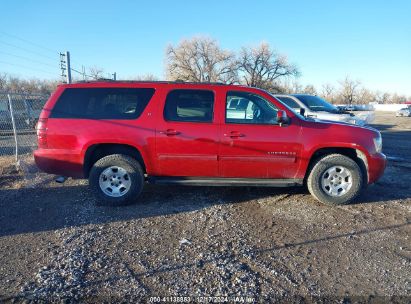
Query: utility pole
[65, 66]
[114, 76]
[68, 67]
[83, 71]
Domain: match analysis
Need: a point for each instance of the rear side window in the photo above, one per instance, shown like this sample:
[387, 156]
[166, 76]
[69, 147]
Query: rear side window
[102, 103]
[189, 106]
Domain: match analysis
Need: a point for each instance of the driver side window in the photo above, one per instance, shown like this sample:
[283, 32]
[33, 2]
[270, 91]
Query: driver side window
[247, 108]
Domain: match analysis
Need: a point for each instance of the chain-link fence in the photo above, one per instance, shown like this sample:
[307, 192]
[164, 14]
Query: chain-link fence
[19, 114]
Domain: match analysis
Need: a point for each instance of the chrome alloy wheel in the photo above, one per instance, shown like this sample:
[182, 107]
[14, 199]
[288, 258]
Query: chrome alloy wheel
[336, 181]
[115, 181]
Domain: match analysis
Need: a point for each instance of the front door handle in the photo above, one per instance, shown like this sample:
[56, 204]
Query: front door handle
[234, 134]
[170, 132]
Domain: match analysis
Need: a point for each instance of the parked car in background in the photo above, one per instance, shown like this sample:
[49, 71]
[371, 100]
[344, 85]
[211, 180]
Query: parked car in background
[5, 119]
[26, 114]
[350, 108]
[121, 135]
[404, 112]
[318, 108]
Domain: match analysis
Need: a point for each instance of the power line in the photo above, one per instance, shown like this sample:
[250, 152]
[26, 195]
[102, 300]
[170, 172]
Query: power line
[27, 50]
[82, 73]
[27, 68]
[84, 69]
[29, 42]
[67, 69]
[38, 45]
[29, 59]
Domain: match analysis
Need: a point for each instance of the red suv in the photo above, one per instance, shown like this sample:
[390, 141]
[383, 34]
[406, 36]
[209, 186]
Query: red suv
[121, 135]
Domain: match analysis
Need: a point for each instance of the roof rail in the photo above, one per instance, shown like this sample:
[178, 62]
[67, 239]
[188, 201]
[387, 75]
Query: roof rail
[145, 81]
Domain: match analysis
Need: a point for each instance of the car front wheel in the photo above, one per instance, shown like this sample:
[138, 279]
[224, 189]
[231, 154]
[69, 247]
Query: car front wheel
[116, 180]
[335, 179]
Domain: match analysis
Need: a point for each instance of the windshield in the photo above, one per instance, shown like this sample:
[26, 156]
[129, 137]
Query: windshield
[316, 104]
[295, 111]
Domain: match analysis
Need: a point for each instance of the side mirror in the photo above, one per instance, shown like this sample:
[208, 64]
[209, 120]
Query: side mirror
[282, 117]
[302, 111]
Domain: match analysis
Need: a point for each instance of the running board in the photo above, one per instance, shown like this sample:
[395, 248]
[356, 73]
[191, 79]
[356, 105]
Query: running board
[205, 181]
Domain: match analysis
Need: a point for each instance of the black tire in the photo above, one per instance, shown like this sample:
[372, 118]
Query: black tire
[321, 166]
[134, 174]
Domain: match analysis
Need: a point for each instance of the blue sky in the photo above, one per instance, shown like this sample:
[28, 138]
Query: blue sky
[328, 40]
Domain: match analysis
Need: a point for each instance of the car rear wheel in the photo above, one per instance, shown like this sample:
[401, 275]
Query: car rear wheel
[116, 180]
[335, 179]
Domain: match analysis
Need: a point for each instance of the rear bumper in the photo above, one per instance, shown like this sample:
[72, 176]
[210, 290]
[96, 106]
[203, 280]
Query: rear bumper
[60, 162]
[376, 166]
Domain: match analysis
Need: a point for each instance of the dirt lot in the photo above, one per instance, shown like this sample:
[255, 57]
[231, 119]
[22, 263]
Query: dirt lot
[265, 244]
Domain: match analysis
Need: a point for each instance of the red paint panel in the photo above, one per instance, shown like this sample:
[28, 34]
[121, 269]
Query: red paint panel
[214, 149]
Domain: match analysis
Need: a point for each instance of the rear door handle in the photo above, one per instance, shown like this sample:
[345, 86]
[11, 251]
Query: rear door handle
[234, 134]
[170, 132]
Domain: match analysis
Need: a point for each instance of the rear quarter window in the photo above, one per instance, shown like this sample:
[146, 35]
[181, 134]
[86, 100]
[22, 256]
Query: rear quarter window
[102, 103]
[189, 106]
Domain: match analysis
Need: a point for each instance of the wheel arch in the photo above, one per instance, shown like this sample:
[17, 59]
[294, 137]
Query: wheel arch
[356, 155]
[98, 151]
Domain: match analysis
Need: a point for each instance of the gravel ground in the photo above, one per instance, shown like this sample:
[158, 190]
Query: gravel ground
[208, 244]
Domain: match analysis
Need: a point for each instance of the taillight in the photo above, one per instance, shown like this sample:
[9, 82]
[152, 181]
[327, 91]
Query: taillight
[42, 132]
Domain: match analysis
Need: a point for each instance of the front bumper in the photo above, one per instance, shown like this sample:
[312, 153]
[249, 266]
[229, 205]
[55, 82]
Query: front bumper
[376, 166]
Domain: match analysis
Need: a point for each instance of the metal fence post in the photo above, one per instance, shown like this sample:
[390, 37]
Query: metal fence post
[14, 128]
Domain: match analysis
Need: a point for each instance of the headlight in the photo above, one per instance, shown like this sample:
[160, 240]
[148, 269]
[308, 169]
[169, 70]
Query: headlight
[378, 143]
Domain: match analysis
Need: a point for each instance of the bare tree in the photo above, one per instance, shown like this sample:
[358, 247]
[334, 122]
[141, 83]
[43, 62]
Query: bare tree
[200, 59]
[146, 77]
[395, 98]
[310, 89]
[262, 67]
[3, 81]
[290, 87]
[96, 72]
[365, 96]
[382, 97]
[349, 90]
[296, 87]
[15, 84]
[328, 92]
